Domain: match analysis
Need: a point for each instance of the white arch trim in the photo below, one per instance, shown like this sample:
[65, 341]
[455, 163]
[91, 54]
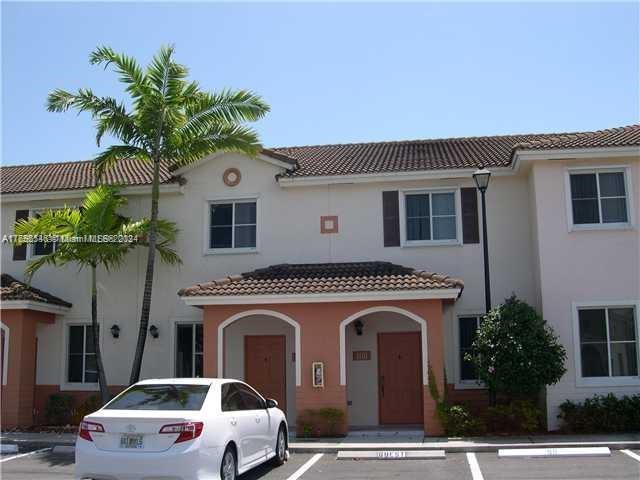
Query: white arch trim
[5, 358]
[270, 313]
[423, 338]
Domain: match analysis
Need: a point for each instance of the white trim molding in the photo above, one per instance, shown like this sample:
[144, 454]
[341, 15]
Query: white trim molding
[386, 177]
[423, 338]
[608, 381]
[80, 193]
[261, 156]
[573, 154]
[269, 313]
[5, 353]
[31, 305]
[442, 293]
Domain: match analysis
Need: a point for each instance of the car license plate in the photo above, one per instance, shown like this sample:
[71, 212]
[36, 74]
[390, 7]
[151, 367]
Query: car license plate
[131, 441]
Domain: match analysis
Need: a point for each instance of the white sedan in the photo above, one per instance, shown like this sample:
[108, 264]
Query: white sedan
[181, 429]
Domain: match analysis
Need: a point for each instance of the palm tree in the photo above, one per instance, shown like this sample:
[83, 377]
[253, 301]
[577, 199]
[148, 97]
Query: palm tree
[170, 120]
[98, 215]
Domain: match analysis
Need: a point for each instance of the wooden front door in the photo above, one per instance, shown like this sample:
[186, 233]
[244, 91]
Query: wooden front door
[400, 378]
[265, 366]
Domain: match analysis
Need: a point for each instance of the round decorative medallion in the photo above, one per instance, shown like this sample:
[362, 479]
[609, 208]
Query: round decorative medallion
[231, 177]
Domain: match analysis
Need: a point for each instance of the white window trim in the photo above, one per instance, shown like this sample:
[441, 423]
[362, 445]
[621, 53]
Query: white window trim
[625, 170]
[230, 251]
[65, 385]
[603, 381]
[174, 343]
[429, 243]
[5, 360]
[459, 383]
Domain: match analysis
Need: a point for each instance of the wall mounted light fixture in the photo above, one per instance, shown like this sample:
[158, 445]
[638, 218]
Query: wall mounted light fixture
[359, 326]
[153, 330]
[115, 331]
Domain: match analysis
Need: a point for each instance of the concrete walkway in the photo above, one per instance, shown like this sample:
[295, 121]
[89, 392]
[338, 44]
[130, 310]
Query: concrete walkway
[385, 441]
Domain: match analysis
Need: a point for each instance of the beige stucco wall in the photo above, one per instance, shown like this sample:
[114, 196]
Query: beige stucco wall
[362, 376]
[289, 231]
[581, 266]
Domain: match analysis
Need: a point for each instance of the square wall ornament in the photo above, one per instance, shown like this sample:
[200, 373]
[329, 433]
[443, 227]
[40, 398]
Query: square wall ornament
[329, 224]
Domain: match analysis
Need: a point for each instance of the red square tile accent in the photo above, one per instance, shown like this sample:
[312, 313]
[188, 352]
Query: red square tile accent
[329, 224]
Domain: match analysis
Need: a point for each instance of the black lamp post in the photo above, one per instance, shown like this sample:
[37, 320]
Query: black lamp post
[481, 177]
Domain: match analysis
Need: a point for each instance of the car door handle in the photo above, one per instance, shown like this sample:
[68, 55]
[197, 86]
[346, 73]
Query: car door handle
[257, 419]
[233, 422]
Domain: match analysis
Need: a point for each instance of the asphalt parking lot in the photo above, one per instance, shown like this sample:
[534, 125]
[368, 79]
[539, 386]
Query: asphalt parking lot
[619, 466]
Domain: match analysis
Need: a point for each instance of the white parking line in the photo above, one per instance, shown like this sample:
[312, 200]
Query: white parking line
[476, 474]
[308, 464]
[24, 455]
[635, 456]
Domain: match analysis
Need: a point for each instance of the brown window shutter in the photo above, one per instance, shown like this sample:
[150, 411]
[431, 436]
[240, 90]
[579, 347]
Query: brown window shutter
[470, 228]
[20, 251]
[391, 219]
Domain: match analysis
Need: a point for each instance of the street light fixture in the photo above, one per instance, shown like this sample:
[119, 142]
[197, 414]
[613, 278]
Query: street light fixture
[481, 177]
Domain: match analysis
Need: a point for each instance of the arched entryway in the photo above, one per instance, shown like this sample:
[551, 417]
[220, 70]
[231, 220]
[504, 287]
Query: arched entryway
[383, 363]
[262, 348]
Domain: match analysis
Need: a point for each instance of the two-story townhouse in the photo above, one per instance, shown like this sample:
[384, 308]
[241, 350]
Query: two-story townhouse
[338, 275]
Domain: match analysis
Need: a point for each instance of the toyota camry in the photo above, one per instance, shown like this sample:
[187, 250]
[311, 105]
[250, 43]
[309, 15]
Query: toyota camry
[181, 429]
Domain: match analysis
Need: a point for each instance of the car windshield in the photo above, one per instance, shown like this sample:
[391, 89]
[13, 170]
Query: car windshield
[160, 397]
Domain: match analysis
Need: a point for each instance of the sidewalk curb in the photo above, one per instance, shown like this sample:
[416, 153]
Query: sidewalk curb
[480, 448]
[310, 447]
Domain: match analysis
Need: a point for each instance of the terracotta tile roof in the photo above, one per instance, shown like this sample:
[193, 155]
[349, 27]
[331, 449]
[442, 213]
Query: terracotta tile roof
[612, 137]
[438, 154]
[341, 159]
[75, 175]
[12, 289]
[287, 279]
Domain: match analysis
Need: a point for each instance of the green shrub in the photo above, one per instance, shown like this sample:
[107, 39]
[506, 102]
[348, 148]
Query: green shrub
[322, 422]
[602, 414]
[59, 409]
[515, 352]
[88, 406]
[457, 421]
[521, 416]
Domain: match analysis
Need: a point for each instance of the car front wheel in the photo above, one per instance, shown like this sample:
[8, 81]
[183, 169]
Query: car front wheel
[228, 467]
[281, 447]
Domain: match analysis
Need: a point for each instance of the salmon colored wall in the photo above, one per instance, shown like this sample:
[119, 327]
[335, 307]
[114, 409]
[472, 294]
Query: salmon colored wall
[43, 392]
[18, 393]
[320, 342]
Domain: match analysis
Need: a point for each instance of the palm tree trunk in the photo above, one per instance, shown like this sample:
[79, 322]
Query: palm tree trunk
[105, 396]
[148, 280]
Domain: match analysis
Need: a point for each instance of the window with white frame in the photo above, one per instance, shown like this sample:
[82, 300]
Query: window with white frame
[189, 352]
[233, 225]
[81, 356]
[608, 341]
[467, 330]
[430, 217]
[41, 248]
[599, 197]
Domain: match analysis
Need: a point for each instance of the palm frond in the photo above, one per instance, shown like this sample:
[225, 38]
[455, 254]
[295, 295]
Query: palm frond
[225, 138]
[111, 155]
[127, 67]
[224, 107]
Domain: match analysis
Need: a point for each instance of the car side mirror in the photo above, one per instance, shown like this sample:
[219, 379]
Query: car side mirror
[271, 403]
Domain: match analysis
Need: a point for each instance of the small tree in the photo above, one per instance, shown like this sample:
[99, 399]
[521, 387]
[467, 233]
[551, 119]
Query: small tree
[515, 352]
[98, 215]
